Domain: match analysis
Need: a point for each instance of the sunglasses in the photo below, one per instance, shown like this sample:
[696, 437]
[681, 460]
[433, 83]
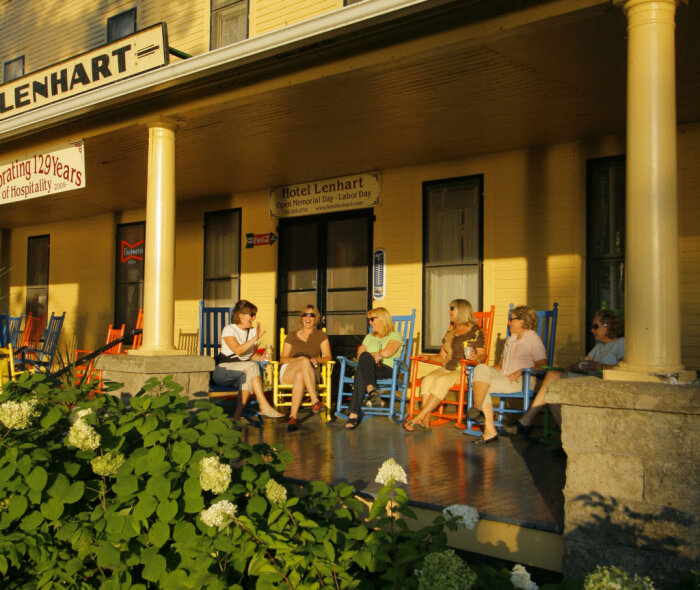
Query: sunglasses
[252, 315]
[373, 318]
[308, 315]
[596, 326]
[452, 307]
[512, 318]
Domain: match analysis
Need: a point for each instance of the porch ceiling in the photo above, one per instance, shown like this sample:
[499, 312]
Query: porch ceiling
[372, 108]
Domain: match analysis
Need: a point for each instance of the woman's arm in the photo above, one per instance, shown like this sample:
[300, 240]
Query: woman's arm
[286, 354]
[325, 352]
[479, 355]
[360, 349]
[515, 376]
[237, 348]
[389, 350]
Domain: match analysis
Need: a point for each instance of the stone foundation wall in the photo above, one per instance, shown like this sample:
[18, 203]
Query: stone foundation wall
[632, 494]
[192, 372]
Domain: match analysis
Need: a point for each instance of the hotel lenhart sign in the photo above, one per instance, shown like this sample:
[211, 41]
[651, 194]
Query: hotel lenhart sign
[324, 196]
[140, 52]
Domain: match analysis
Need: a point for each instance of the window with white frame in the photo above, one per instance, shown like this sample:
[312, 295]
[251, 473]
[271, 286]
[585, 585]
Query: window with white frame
[13, 69]
[121, 25]
[452, 251]
[222, 255]
[229, 22]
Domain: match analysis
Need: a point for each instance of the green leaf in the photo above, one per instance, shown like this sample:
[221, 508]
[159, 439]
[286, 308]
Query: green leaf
[145, 507]
[257, 505]
[159, 487]
[125, 485]
[185, 533]
[149, 425]
[51, 417]
[167, 509]
[59, 487]
[17, 506]
[74, 493]
[159, 533]
[37, 478]
[208, 441]
[3, 565]
[248, 473]
[194, 504]
[52, 509]
[181, 452]
[108, 556]
[192, 488]
[31, 521]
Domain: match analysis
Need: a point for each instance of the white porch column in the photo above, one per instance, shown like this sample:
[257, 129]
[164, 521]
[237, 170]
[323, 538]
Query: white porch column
[159, 265]
[652, 289]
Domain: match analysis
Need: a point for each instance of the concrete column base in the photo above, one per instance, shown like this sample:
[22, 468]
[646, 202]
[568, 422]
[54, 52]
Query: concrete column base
[632, 494]
[625, 373]
[192, 372]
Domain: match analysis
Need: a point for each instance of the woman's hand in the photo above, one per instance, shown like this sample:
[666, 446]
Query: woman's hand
[259, 332]
[513, 377]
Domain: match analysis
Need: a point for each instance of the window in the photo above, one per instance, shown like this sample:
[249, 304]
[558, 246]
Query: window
[13, 69]
[128, 297]
[122, 25]
[37, 275]
[222, 239]
[229, 22]
[452, 251]
[605, 238]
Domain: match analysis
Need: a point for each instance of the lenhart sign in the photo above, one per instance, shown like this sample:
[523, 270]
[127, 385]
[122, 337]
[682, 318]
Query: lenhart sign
[358, 191]
[140, 52]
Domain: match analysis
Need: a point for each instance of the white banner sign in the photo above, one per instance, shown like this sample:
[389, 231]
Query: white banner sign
[131, 55]
[324, 196]
[58, 169]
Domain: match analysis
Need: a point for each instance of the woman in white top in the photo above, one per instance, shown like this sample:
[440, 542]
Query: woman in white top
[524, 349]
[609, 350]
[239, 342]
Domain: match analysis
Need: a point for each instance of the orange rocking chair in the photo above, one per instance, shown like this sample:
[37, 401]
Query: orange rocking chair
[439, 417]
[85, 373]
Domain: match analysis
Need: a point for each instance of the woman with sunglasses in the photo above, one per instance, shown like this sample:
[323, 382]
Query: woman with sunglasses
[608, 351]
[464, 339]
[524, 349]
[375, 360]
[236, 364]
[301, 354]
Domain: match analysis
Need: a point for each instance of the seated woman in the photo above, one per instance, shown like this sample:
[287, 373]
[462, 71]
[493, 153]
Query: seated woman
[301, 354]
[375, 360]
[236, 364]
[464, 336]
[524, 349]
[608, 352]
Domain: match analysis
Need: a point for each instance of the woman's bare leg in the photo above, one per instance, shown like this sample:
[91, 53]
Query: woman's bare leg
[539, 402]
[430, 402]
[241, 401]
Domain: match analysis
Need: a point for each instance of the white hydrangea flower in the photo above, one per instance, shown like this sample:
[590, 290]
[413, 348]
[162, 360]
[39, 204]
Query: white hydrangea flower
[75, 416]
[107, 465]
[390, 471]
[17, 414]
[213, 475]
[520, 578]
[467, 516]
[276, 493]
[83, 436]
[219, 514]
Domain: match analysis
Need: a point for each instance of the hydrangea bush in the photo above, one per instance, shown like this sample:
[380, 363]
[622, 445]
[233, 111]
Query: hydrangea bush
[162, 493]
[98, 494]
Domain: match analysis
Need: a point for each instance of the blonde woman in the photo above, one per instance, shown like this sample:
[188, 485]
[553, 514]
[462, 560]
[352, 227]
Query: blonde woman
[303, 351]
[524, 349]
[375, 360]
[464, 337]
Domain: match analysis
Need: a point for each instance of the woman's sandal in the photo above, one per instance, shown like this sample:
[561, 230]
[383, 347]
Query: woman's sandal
[413, 423]
[318, 407]
[352, 423]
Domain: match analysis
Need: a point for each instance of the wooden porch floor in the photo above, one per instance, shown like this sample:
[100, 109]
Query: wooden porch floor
[513, 481]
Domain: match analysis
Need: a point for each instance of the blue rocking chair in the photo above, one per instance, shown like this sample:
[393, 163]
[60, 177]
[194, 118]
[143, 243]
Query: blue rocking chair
[391, 390]
[42, 358]
[547, 329]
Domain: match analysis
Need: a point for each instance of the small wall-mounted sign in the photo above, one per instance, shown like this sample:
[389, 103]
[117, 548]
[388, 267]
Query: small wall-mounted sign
[132, 251]
[259, 239]
[358, 191]
[379, 290]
